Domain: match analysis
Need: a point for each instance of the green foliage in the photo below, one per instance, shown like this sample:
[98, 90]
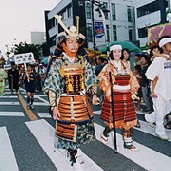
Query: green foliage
[26, 48]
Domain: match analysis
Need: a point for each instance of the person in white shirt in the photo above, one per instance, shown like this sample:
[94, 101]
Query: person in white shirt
[161, 68]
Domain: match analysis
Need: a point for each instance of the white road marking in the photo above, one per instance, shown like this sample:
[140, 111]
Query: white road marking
[7, 157]
[42, 129]
[40, 104]
[6, 97]
[23, 92]
[146, 128]
[98, 112]
[44, 115]
[41, 99]
[145, 157]
[9, 103]
[14, 93]
[12, 114]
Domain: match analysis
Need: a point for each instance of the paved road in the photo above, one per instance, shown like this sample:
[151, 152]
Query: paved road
[27, 143]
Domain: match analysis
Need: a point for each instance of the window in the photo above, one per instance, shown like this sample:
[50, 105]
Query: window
[88, 11]
[129, 11]
[113, 12]
[69, 12]
[149, 8]
[142, 33]
[130, 35]
[114, 33]
[52, 22]
[89, 32]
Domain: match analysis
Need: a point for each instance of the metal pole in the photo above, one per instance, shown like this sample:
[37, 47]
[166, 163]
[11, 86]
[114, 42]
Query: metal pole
[111, 81]
[92, 11]
[162, 4]
[169, 13]
[169, 5]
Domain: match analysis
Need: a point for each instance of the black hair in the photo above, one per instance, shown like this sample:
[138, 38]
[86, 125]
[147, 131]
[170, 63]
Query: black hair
[12, 63]
[147, 58]
[111, 55]
[28, 65]
[154, 47]
[138, 68]
[166, 36]
[125, 49]
[102, 59]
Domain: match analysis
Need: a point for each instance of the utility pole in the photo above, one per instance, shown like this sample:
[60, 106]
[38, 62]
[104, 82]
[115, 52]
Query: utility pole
[162, 4]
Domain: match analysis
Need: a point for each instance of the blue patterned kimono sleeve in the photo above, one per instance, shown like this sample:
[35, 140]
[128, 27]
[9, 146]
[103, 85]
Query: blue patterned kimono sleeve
[54, 81]
[89, 77]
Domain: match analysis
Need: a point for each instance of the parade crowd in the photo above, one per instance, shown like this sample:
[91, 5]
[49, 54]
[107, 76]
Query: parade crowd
[112, 81]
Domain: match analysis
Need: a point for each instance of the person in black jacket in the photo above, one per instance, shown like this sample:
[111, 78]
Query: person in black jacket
[13, 78]
[144, 82]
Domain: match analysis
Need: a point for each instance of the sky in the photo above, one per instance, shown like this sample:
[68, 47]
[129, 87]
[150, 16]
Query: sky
[18, 18]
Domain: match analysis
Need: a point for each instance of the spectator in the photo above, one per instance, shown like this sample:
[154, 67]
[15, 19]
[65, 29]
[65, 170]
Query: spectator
[13, 78]
[144, 83]
[137, 59]
[137, 72]
[100, 63]
[3, 76]
[126, 57]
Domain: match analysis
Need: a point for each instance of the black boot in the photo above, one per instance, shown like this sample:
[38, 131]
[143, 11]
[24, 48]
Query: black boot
[72, 154]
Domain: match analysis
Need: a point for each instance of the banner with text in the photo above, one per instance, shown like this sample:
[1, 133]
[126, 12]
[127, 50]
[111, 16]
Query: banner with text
[99, 29]
[24, 58]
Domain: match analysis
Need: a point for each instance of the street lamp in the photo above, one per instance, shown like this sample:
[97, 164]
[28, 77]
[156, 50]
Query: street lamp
[103, 8]
[99, 5]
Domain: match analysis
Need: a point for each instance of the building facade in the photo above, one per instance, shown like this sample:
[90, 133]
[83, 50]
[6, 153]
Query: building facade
[120, 22]
[38, 37]
[148, 13]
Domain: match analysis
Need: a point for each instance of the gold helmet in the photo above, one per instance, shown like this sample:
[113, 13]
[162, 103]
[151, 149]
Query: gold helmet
[72, 31]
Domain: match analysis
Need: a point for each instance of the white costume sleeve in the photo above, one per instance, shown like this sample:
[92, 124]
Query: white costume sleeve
[154, 69]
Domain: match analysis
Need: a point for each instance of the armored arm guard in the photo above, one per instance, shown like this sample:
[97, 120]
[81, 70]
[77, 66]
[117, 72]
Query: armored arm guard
[52, 99]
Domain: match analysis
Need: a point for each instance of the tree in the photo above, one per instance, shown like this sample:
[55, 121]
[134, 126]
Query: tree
[26, 48]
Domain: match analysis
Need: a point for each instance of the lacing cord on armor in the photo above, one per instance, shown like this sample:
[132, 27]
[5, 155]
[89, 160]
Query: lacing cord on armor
[85, 103]
[80, 93]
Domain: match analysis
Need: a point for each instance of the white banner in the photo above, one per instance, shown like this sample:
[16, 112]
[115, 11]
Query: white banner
[24, 58]
[7, 67]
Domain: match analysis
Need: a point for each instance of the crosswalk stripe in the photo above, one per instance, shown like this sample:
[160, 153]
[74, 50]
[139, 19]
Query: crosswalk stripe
[98, 112]
[9, 103]
[8, 97]
[10, 93]
[40, 104]
[43, 100]
[12, 114]
[44, 115]
[146, 128]
[42, 129]
[7, 157]
[145, 157]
